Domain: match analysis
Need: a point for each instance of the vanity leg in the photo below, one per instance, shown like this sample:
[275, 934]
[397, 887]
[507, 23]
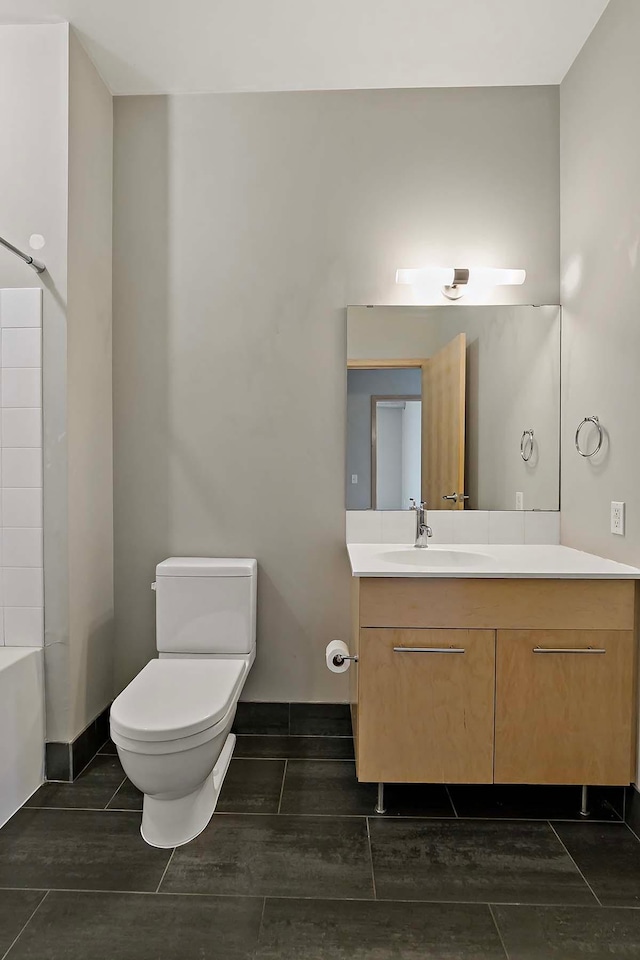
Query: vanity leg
[380, 804]
[584, 807]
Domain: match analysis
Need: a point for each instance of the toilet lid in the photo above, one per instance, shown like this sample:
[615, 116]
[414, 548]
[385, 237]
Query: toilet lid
[172, 698]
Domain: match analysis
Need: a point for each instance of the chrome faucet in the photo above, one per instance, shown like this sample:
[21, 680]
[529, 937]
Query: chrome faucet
[423, 530]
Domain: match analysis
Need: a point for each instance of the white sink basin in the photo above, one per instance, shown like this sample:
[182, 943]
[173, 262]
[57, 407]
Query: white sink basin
[433, 557]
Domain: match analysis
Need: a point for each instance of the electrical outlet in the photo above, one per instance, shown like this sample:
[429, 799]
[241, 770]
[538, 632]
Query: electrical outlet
[519, 501]
[354, 478]
[617, 518]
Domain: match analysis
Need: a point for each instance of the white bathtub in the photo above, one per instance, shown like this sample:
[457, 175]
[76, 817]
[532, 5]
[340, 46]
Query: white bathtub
[21, 726]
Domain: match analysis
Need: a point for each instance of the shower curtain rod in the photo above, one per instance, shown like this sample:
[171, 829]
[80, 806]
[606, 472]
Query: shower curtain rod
[35, 264]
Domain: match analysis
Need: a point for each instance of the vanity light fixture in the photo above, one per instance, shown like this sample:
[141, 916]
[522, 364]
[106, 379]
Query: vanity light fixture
[456, 280]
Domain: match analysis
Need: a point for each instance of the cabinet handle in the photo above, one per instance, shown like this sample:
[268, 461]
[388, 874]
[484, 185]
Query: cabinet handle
[428, 650]
[568, 650]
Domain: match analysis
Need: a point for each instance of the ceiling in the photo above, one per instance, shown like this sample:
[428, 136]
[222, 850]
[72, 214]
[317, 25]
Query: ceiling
[189, 46]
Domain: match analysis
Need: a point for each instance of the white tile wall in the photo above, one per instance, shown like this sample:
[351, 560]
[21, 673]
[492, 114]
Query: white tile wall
[470, 526]
[364, 526]
[542, 528]
[21, 574]
[506, 526]
[455, 526]
[398, 526]
[19, 306]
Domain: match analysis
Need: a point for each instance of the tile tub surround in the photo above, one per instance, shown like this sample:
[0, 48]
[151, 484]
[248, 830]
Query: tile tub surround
[22, 600]
[455, 526]
[294, 866]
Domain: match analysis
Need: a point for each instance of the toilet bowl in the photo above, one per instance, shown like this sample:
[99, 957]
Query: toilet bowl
[172, 724]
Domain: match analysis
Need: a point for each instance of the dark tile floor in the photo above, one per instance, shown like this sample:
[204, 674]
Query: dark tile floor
[296, 866]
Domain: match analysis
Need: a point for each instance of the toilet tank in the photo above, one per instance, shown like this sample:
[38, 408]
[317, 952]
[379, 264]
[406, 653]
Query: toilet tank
[206, 605]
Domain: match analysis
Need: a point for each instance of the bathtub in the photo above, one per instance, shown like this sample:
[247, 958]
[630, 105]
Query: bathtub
[21, 726]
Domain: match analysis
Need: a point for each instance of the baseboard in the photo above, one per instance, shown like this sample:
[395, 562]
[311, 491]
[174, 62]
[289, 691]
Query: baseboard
[64, 761]
[632, 809]
[293, 719]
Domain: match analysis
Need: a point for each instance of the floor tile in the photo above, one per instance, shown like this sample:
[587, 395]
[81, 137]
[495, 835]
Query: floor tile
[320, 720]
[360, 930]
[569, 933]
[128, 797]
[530, 802]
[78, 850]
[252, 786]
[608, 854]
[78, 926]
[262, 718]
[93, 788]
[326, 787]
[16, 906]
[473, 860]
[311, 748]
[85, 747]
[275, 856]
[108, 747]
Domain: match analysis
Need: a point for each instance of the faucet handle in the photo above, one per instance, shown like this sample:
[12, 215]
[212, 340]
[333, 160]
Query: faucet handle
[413, 505]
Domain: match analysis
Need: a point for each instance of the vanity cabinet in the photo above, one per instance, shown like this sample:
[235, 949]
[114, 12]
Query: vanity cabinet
[564, 706]
[427, 705]
[505, 681]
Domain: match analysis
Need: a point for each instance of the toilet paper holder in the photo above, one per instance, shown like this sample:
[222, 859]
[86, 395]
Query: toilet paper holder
[338, 659]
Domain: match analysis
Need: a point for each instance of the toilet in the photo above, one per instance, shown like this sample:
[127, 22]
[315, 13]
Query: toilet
[172, 724]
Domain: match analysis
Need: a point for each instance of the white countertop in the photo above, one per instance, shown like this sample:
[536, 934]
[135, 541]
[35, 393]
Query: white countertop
[486, 561]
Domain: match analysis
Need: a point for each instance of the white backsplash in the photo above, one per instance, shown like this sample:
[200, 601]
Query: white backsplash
[455, 526]
[21, 589]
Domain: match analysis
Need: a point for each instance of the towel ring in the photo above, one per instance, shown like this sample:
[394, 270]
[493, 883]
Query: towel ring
[527, 438]
[595, 421]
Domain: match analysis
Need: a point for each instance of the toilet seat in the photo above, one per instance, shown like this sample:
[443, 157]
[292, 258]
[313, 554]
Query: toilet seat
[177, 700]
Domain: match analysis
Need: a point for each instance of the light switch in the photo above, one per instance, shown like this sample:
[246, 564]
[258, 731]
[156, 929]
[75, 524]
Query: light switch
[354, 478]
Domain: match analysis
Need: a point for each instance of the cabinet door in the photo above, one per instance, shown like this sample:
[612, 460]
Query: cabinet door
[564, 706]
[426, 705]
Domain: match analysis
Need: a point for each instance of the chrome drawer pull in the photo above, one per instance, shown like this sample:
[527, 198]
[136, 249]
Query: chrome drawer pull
[428, 650]
[567, 650]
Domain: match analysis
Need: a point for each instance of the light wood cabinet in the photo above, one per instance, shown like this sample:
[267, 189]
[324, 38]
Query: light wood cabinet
[522, 704]
[564, 706]
[427, 705]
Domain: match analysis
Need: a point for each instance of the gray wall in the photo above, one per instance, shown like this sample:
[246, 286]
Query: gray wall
[34, 103]
[361, 386]
[243, 225]
[56, 173]
[89, 375]
[600, 163]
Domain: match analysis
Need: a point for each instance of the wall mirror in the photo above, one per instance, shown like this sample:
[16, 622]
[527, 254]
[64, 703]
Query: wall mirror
[455, 405]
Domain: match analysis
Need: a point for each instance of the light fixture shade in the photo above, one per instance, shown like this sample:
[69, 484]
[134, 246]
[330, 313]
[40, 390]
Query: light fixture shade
[444, 276]
[496, 277]
[439, 276]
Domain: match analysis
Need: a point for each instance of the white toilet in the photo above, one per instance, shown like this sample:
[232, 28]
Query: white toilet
[172, 724]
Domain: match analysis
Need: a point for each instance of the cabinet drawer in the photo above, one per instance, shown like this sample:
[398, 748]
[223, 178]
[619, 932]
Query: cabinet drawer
[497, 604]
[426, 706]
[564, 706]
